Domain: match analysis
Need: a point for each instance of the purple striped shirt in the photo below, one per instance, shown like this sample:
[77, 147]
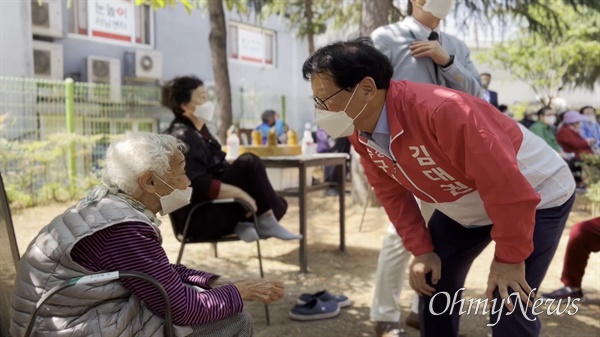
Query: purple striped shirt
[135, 246]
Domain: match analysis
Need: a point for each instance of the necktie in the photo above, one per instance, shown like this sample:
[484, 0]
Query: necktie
[434, 36]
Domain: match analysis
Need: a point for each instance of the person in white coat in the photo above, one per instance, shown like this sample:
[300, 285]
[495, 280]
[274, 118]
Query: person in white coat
[419, 52]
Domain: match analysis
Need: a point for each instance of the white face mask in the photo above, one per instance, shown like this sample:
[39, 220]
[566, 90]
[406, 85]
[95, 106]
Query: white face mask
[337, 124]
[438, 8]
[205, 111]
[550, 120]
[175, 200]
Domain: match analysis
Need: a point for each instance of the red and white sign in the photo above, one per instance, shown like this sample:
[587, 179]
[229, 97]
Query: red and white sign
[111, 19]
[251, 45]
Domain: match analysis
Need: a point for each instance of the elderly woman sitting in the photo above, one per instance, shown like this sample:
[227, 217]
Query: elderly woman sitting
[213, 177]
[115, 228]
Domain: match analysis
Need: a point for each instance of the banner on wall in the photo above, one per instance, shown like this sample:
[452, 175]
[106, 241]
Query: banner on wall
[111, 19]
[251, 45]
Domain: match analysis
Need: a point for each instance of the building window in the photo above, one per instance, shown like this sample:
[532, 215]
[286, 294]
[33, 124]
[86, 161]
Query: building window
[252, 44]
[112, 21]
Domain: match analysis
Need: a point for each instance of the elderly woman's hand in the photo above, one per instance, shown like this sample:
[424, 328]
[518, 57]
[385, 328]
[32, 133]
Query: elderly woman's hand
[260, 290]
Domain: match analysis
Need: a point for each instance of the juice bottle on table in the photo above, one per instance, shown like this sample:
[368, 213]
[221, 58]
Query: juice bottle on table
[272, 137]
[257, 138]
[292, 138]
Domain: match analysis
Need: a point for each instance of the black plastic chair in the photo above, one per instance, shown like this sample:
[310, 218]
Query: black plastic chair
[9, 261]
[182, 235]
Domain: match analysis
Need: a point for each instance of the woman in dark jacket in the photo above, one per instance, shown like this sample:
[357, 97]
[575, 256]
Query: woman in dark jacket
[214, 178]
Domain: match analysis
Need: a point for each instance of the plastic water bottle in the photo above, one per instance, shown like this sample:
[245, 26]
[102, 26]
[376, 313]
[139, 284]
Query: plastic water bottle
[307, 141]
[244, 139]
[233, 146]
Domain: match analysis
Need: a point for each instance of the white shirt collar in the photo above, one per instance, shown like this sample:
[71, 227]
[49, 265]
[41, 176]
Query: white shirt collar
[420, 30]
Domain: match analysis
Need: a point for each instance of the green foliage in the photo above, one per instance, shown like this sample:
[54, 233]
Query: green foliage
[335, 13]
[591, 173]
[519, 109]
[593, 193]
[35, 172]
[542, 17]
[571, 58]
[190, 5]
[591, 167]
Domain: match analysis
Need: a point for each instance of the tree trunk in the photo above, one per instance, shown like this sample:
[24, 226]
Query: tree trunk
[218, 48]
[308, 15]
[374, 14]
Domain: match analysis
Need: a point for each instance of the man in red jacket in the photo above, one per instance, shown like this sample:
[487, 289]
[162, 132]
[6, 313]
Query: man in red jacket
[488, 178]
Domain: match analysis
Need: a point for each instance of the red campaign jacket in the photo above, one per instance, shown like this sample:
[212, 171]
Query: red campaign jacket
[468, 160]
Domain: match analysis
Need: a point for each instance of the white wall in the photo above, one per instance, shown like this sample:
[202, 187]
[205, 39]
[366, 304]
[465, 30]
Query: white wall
[16, 56]
[183, 40]
[16, 60]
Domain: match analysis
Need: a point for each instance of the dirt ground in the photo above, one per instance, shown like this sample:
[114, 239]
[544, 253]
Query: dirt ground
[351, 273]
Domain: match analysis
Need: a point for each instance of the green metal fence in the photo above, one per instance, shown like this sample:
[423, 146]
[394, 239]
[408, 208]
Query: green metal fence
[54, 134]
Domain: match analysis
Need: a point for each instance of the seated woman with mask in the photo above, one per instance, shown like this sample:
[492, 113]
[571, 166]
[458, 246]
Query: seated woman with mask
[214, 178]
[115, 229]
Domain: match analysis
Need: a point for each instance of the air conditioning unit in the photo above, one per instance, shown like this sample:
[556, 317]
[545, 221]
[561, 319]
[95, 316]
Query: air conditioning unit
[144, 64]
[48, 60]
[104, 70]
[46, 20]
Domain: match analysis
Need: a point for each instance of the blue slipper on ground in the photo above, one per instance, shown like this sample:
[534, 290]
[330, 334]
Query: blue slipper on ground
[315, 309]
[325, 296]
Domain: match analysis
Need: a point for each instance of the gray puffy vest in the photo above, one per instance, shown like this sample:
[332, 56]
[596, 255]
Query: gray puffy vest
[107, 309]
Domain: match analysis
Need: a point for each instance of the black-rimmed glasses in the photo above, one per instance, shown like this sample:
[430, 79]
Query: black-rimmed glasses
[320, 103]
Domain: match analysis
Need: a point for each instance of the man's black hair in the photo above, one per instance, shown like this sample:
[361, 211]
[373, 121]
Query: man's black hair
[349, 62]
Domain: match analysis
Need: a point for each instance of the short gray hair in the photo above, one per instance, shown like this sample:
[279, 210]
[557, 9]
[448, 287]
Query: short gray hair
[136, 153]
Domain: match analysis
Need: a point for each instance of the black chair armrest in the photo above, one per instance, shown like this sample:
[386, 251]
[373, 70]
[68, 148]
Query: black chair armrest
[103, 277]
[242, 202]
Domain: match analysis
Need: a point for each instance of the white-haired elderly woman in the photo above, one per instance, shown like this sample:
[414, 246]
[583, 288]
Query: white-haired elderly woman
[115, 228]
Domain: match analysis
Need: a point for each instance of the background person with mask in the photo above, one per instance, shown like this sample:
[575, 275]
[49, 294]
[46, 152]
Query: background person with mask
[529, 118]
[489, 95]
[570, 140]
[115, 228]
[419, 52]
[544, 128]
[214, 178]
[569, 136]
